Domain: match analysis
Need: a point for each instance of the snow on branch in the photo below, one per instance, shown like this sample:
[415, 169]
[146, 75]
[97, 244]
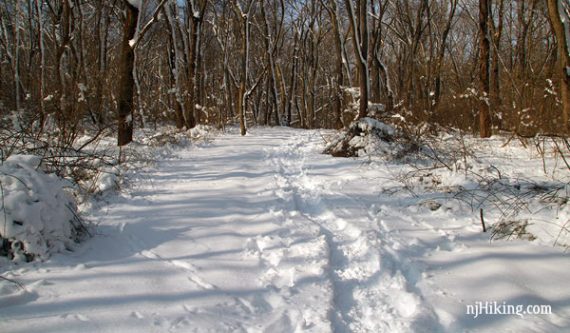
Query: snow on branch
[140, 33]
[135, 3]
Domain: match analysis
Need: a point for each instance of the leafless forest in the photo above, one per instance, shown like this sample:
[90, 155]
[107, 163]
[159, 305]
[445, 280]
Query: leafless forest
[484, 66]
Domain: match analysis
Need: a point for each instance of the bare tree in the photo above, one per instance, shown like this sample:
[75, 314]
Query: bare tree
[340, 61]
[358, 18]
[380, 78]
[243, 13]
[273, 29]
[195, 10]
[126, 83]
[441, 55]
[175, 63]
[497, 30]
[454, 63]
[484, 63]
[559, 12]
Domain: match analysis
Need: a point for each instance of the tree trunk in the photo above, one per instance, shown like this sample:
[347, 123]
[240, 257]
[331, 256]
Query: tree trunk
[339, 64]
[16, 64]
[441, 57]
[41, 47]
[101, 36]
[364, 73]
[62, 64]
[496, 78]
[242, 102]
[360, 37]
[244, 16]
[126, 78]
[195, 59]
[484, 84]
[559, 18]
[175, 57]
[270, 41]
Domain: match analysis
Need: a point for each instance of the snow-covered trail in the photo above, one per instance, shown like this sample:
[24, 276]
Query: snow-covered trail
[370, 293]
[264, 234]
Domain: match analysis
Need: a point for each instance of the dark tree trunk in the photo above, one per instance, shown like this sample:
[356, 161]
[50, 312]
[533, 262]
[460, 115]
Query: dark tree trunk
[126, 79]
[495, 65]
[562, 38]
[359, 25]
[339, 64]
[484, 83]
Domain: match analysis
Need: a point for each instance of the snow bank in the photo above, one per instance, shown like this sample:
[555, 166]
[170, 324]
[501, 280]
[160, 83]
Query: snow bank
[365, 137]
[37, 216]
[176, 138]
[201, 132]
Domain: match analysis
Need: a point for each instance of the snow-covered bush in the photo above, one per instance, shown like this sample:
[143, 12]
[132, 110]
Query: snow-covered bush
[170, 136]
[365, 137]
[37, 216]
[201, 132]
[351, 96]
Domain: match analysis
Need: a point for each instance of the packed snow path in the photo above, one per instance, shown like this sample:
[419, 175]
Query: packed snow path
[264, 234]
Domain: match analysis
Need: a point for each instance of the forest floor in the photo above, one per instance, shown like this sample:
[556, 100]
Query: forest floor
[263, 233]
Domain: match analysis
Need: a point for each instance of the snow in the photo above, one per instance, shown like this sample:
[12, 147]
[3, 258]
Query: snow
[366, 137]
[263, 233]
[136, 3]
[37, 216]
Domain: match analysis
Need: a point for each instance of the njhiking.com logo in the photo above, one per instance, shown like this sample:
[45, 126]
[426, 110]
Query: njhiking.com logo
[495, 308]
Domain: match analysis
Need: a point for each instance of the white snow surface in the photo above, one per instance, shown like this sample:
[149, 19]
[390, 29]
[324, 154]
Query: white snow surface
[263, 233]
[136, 3]
[36, 213]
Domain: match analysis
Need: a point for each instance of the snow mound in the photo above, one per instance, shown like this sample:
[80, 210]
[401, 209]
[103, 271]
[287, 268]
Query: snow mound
[201, 132]
[37, 216]
[365, 137]
[170, 137]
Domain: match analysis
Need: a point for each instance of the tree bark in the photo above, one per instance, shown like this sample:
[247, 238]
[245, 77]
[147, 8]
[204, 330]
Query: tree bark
[196, 15]
[41, 47]
[270, 46]
[293, 84]
[495, 65]
[359, 24]
[126, 78]
[557, 11]
[484, 58]
[17, 59]
[441, 56]
[174, 58]
[332, 9]
[244, 16]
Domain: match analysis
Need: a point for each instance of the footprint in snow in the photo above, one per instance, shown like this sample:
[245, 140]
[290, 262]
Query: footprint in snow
[137, 315]
[75, 316]
[149, 254]
[193, 277]
[81, 267]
